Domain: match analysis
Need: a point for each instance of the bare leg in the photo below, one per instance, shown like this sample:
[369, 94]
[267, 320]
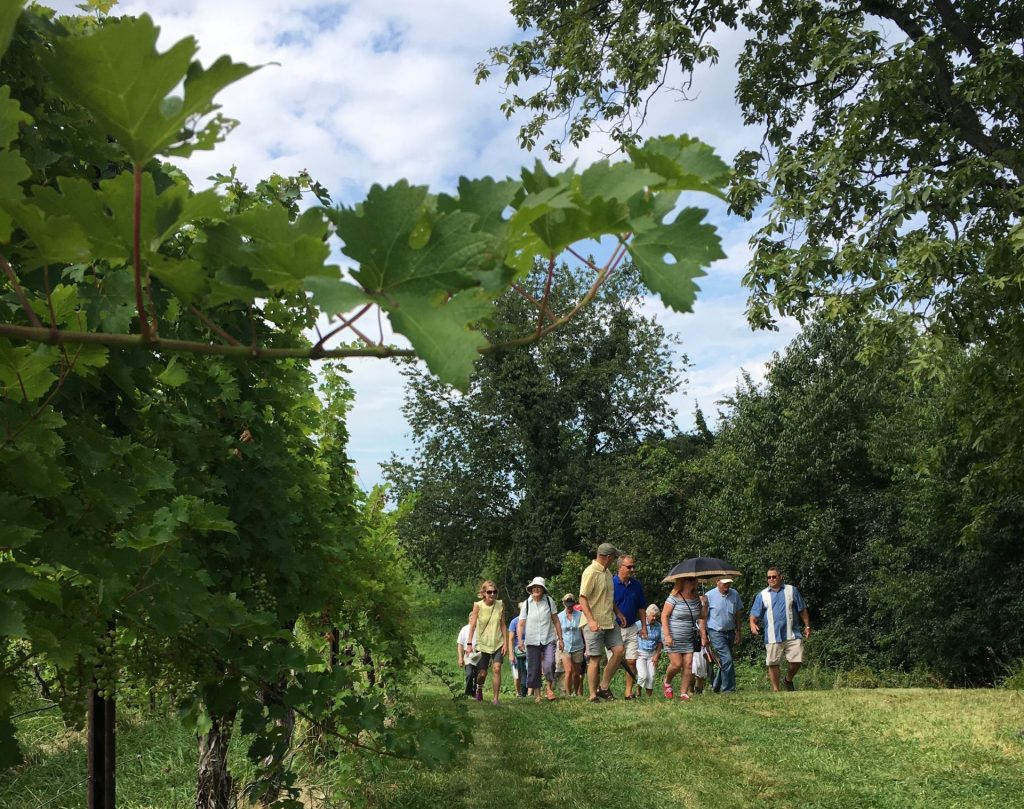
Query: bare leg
[629, 678]
[675, 665]
[684, 686]
[792, 670]
[612, 667]
[592, 671]
[496, 680]
[773, 677]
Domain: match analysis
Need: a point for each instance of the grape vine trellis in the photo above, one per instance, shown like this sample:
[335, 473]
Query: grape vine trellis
[157, 475]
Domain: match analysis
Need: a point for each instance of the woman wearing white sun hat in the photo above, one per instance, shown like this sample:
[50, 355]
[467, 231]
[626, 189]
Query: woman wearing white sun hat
[537, 632]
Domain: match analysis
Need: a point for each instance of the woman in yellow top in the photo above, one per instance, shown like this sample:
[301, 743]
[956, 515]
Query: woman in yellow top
[487, 626]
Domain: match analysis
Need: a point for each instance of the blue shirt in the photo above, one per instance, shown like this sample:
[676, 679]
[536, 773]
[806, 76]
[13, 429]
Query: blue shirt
[778, 598]
[512, 629]
[629, 599]
[650, 643]
[572, 630]
[724, 610]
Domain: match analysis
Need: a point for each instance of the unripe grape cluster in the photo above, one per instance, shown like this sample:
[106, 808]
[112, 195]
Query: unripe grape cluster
[261, 598]
[108, 665]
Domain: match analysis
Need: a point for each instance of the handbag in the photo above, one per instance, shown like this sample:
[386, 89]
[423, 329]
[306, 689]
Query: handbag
[472, 658]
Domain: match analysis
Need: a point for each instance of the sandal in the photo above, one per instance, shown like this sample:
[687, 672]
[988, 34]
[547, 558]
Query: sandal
[685, 697]
[605, 693]
[666, 689]
[551, 697]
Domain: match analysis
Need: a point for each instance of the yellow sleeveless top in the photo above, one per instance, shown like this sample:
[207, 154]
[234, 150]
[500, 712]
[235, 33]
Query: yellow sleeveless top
[488, 626]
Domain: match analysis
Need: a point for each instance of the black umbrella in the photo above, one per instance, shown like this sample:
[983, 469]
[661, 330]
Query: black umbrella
[701, 567]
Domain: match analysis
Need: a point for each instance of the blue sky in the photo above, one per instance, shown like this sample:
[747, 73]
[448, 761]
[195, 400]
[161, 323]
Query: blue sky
[362, 92]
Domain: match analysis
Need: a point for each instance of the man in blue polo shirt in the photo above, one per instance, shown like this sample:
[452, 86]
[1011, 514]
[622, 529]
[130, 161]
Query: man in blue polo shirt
[776, 609]
[630, 601]
[725, 608]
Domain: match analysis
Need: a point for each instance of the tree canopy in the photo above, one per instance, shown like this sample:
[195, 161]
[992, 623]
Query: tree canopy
[891, 153]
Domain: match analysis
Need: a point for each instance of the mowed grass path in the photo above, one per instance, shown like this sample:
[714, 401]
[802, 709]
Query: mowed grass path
[838, 748]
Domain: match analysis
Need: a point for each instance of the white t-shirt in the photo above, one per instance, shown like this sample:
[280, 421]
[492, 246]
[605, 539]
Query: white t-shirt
[464, 636]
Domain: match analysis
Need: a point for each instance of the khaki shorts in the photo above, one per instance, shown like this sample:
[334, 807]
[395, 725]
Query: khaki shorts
[577, 657]
[793, 649]
[630, 642]
[597, 642]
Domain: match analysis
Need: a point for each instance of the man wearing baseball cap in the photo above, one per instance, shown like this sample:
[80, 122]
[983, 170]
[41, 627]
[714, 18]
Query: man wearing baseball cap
[603, 621]
[724, 610]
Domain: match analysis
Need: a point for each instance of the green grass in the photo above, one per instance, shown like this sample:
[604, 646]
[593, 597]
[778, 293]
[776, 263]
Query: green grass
[156, 764]
[817, 749]
[840, 747]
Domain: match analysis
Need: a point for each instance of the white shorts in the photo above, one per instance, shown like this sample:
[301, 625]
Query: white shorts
[630, 642]
[793, 650]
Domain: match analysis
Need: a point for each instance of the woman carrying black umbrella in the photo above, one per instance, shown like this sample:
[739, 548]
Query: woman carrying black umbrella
[684, 630]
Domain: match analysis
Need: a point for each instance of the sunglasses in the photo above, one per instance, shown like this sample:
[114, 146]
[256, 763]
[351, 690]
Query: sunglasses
[490, 592]
[773, 577]
[630, 567]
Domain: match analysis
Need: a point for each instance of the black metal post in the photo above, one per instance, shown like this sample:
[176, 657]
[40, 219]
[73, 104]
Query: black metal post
[102, 751]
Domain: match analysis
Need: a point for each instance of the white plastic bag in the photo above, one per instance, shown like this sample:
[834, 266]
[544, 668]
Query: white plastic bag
[700, 664]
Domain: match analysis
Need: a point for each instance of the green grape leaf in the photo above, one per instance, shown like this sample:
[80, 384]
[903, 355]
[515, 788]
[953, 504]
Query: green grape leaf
[487, 198]
[691, 245]
[177, 206]
[13, 172]
[400, 246]
[616, 181]
[12, 618]
[12, 116]
[89, 357]
[441, 333]
[204, 516]
[25, 371]
[15, 577]
[174, 376]
[9, 13]
[334, 296]
[78, 201]
[184, 277]
[118, 75]
[686, 163]
[57, 239]
[19, 521]
[261, 250]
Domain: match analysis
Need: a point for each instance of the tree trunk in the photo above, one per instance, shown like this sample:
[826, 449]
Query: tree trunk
[214, 786]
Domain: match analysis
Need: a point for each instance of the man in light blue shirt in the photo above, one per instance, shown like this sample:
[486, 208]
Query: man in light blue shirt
[724, 610]
[775, 609]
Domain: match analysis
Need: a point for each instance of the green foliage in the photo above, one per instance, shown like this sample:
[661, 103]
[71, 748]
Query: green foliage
[433, 264]
[892, 159]
[853, 480]
[501, 470]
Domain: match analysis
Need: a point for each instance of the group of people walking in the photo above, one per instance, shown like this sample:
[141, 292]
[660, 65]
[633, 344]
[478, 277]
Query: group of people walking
[611, 622]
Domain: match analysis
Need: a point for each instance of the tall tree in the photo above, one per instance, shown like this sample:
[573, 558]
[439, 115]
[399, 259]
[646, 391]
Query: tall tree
[503, 468]
[890, 171]
[892, 158]
[857, 482]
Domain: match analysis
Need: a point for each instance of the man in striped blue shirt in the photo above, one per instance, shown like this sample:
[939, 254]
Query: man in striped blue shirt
[775, 610]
